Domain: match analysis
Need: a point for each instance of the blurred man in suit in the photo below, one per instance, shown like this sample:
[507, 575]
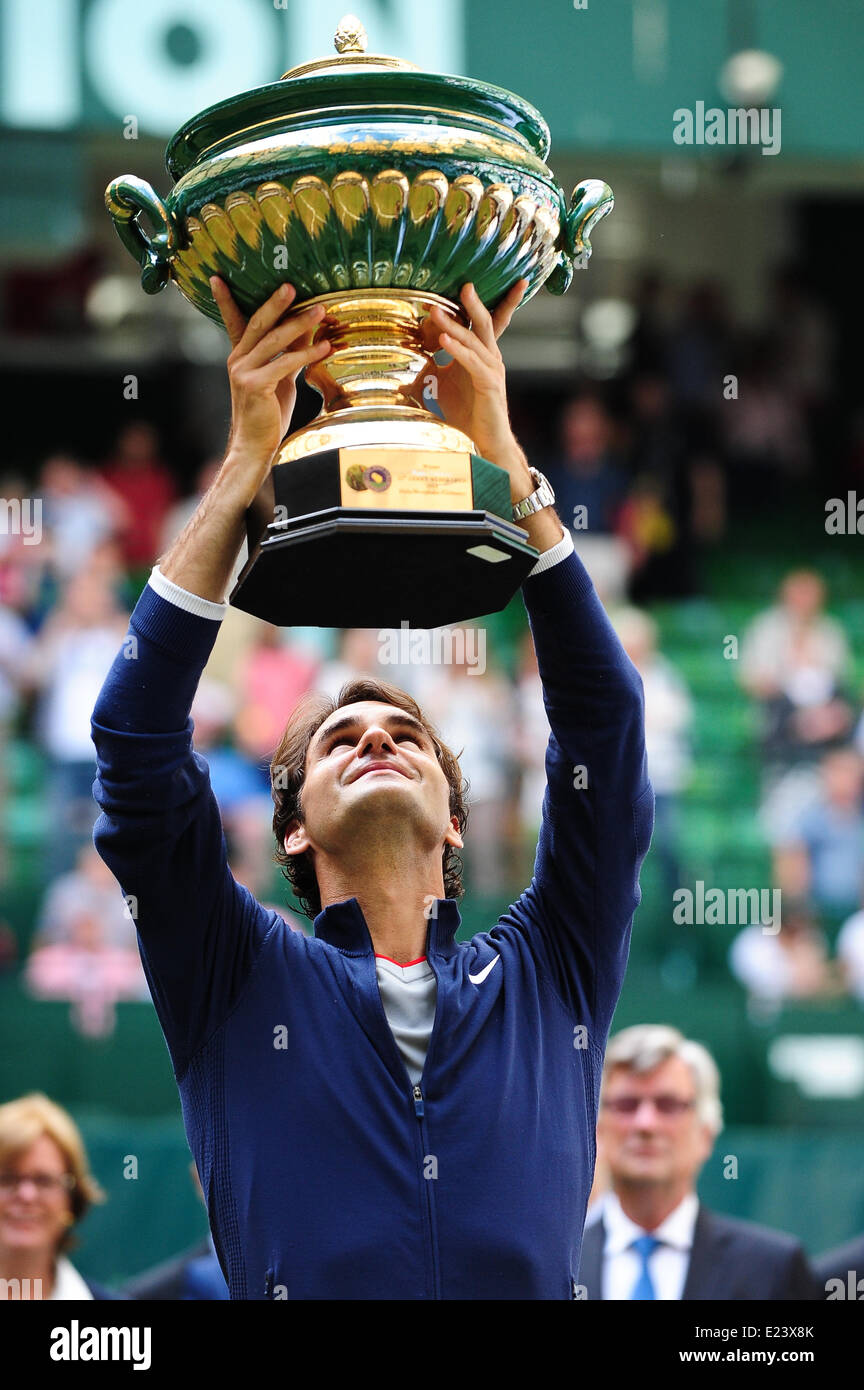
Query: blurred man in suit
[649, 1237]
[194, 1275]
[841, 1272]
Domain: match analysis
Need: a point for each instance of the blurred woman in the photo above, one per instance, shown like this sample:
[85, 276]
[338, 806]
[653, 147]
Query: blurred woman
[45, 1189]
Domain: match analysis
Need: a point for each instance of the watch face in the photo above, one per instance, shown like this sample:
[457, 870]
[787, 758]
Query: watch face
[543, 484]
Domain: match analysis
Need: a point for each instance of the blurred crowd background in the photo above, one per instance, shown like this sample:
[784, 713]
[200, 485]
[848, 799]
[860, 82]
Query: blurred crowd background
[695, 412]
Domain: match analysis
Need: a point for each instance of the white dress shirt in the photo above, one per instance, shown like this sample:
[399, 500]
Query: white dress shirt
[68, 1284]
[667, 1265]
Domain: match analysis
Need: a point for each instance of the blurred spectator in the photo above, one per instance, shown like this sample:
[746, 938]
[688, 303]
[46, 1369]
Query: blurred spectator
[763, 430]
[233, 776]
[821, 854]
[668, 717]
[270, 678]
[650, 1237]
[708, 499]
[67, 665]
[656, 516]
[358, 654]
[792, 963]
[646, 524]
[138, 476]
[474, 711]
[23, 554]
[90, 890]
[795, 661]
[587, 472]
[79, 510]
[850, 953]
[92, 974]
[14, 646]
[240, 783]
[85, 947]
[800, 329]
[46, 1187]
[590, 487]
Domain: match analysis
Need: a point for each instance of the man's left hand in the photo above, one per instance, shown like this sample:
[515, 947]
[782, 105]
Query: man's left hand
[472, 388]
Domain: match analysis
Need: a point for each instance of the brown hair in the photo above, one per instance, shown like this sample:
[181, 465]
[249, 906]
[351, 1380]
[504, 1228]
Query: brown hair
[27, 1119]
[288, 768]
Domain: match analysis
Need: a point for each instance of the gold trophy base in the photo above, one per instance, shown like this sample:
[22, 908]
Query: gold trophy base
[384, 427]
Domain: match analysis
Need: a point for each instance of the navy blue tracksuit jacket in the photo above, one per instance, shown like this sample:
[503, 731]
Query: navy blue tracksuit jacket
[316, 1155]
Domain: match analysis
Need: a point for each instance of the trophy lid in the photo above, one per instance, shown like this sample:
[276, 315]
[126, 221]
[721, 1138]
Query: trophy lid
[355, 81]
[350, 42]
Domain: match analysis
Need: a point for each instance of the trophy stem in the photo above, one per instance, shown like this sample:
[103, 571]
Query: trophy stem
[377, 352]
[377, 362]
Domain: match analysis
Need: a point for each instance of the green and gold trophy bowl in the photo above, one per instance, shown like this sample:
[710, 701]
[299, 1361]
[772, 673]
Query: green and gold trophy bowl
[377, 190]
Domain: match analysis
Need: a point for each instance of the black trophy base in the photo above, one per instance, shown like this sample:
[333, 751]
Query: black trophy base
[341, 567]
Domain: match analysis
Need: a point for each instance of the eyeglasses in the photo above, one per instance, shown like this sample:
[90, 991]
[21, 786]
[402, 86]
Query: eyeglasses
[664, 1105]
[43, 1182]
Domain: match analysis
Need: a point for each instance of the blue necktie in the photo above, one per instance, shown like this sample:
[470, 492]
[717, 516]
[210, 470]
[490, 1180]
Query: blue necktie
[644, 1247]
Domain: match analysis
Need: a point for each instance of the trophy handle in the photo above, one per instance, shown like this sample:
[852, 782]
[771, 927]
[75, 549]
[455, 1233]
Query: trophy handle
[591, 201]
[125, 198]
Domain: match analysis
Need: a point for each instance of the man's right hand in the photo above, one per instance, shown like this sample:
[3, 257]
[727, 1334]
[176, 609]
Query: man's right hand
[265, 360]
[266, 357]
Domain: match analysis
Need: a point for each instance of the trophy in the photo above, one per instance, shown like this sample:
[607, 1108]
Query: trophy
[378, 190]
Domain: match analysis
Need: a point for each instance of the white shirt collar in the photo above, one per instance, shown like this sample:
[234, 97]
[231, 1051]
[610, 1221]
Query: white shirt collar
[68, 1284]
[676, 1230]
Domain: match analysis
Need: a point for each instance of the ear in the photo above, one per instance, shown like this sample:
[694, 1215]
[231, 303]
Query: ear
[451, 835]
[708, 1142]
[296, 840]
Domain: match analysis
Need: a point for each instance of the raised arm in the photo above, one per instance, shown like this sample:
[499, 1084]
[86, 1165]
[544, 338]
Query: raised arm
[263, 375]
[598, 807]
[160, 831]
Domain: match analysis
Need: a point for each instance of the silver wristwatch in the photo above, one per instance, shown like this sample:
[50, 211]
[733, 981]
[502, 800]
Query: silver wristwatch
[542, 496]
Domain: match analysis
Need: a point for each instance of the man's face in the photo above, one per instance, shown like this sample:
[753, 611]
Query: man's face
[648, 1127]
[372, 770]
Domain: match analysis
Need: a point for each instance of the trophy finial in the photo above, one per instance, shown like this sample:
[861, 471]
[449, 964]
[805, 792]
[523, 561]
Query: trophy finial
[350, 36]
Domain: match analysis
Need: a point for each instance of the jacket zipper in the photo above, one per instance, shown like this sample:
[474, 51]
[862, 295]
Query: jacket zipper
[420, 1112]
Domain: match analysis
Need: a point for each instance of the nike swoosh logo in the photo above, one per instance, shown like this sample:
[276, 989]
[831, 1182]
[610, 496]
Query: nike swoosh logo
[478, 979]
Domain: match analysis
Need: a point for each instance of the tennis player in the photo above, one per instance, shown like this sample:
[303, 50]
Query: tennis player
[378, 1111]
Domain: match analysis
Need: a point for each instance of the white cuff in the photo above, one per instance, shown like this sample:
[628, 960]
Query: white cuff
[551, 557]
[181, 598]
